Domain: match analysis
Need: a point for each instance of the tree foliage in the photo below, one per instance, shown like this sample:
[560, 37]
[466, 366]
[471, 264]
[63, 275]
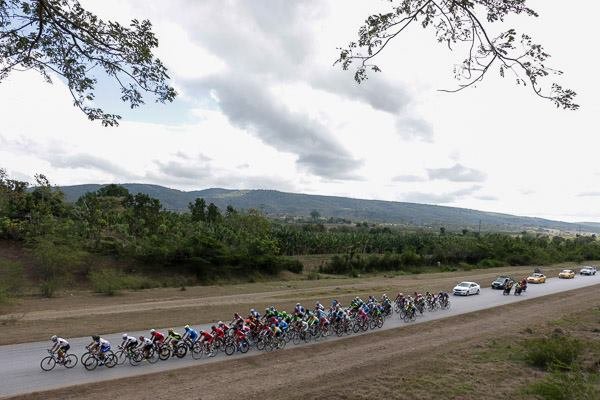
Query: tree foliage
[464, 23]
[60, 37]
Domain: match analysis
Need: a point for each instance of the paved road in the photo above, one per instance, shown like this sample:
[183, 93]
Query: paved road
[20, 371]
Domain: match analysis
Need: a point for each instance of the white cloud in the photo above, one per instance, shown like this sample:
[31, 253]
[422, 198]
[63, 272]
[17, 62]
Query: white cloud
[310, 127]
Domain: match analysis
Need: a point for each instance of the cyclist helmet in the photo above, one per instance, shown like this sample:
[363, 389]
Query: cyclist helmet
[95, 338]
[297, 304]
[54, 338]
[152, 331]
[187, 328]
[252, 310]
[213, 327]
[142, 338]
[200, 332]
[171, 331]
[220, 323]
[124, 336]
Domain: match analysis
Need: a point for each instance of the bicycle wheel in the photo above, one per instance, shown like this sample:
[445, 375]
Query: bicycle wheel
[90, 363]
[135, 358]
[121, 356]
[152, 356]
[197, 350]
[164, 353]
[48, 363]
[181, 350]
[244, 346]
[229, 349]
[110, 360]
[70, 361]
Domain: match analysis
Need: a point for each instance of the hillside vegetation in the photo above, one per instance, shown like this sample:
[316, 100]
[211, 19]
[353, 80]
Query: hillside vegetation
[280, 204]
[141, 238]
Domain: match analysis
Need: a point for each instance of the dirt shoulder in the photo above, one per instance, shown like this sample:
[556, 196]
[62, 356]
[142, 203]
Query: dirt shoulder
[84, 313]
[419, 361]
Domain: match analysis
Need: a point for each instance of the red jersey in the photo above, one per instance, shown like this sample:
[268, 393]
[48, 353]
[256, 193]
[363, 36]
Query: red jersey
[158, 337]
[218, 332]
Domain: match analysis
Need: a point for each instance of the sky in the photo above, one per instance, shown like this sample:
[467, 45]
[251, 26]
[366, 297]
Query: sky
[261, 106]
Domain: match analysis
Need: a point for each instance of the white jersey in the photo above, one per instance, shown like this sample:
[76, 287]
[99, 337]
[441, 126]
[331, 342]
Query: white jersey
[60, 342]
[103, 343]
[148, 342]
[129, 340]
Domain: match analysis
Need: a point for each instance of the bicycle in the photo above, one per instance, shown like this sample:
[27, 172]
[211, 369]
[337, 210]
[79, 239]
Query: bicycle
[49, 362]
[92, 360]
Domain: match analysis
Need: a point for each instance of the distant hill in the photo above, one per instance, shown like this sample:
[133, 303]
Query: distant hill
[281, 204]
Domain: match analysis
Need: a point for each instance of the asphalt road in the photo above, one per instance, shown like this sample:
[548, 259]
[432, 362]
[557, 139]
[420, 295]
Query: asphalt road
[20, 370]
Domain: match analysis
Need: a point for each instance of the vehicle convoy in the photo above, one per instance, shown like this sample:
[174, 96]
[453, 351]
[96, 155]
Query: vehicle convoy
[466, 289]
[501, 282]
[588, 270]
[536, 277]
[566, 274]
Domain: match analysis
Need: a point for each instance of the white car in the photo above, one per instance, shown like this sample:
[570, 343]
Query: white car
[466, 288]
[588, 271]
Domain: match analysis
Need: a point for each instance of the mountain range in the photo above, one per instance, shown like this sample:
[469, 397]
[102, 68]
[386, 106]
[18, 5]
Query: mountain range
[278, 204]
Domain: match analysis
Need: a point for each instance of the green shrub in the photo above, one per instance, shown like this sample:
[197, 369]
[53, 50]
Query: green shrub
[491, 263]
[12, 279]
[137, 282]
[294, 266]
[313, 276]
[107, 281]
[48, 287]
[573, 385]
[555, 352]
[465, 267]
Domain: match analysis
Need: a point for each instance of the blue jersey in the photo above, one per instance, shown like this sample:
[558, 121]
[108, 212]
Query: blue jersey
[193, 334]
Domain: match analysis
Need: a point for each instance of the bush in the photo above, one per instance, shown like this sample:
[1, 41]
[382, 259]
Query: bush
[574, 385]
[555, 352]
[491, 263]
[12, 278]
[294, 266]
[137, 282]
[48, 287]
[313, 276]
[106, 281]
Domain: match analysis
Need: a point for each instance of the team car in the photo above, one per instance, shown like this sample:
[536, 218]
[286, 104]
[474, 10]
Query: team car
[587, 271]
[566, 274]
[536, 277]
[501, 282]
[466, 288]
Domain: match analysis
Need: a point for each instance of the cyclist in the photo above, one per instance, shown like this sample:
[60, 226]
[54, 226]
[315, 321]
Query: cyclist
[129, 342]
[319, 307]
[60, 346]
[190, 333]
[254, 314]
[146, 345]
[275, 330]
[299, 310]
[173, 338]
[205, 337]
[157, 337]
[100, 347]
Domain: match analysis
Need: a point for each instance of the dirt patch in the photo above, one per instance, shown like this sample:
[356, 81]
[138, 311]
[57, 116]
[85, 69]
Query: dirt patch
[419, 361]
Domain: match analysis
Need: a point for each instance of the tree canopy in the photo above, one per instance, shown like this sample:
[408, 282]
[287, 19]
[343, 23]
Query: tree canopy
[463, 23]
[61, 37]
